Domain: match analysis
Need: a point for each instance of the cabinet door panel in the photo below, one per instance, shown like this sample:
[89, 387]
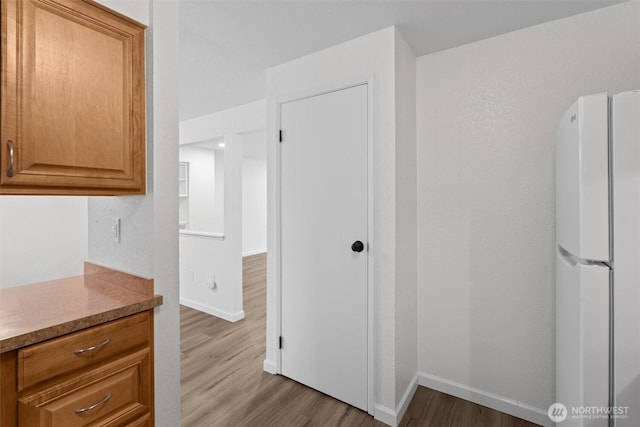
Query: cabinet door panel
[73, 97]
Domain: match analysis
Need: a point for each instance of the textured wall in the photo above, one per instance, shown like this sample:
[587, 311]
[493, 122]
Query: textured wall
[134, 253]
[149, 244]
[487, 113]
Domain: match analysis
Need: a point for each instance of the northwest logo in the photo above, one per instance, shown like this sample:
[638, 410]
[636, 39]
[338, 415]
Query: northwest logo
[557, 412]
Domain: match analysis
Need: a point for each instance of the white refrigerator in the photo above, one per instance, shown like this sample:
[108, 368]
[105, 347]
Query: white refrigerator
[598, 261]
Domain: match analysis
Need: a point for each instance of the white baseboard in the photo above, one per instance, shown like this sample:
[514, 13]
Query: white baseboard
[230, 317]
[256, 252]
[391, 417]
[385, 415]
[481, 397]
[406, 399]
[269, 366]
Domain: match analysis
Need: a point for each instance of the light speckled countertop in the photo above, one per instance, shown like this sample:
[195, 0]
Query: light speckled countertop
[33, 313]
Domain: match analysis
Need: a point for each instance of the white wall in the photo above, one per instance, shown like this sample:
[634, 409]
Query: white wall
[205, 259]
[370, 58]
[164, 240]
[242, 119]
[487, 112]
[134, 253]
[254, 206]
[207, 281]
[149, 245]
[219, 191]
[406, 223]
[206, 194]
[137, 10]
[41, 238]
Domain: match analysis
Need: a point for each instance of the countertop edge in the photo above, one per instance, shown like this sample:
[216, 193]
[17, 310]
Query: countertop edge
[54, 331]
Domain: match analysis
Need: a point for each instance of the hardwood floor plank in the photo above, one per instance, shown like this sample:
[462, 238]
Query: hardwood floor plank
[432, 408]
[223, 383]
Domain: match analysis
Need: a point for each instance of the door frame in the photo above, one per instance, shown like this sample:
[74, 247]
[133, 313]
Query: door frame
[326, 89]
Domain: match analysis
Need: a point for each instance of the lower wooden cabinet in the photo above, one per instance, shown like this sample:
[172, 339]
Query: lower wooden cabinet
[143, 421]
[109, 386]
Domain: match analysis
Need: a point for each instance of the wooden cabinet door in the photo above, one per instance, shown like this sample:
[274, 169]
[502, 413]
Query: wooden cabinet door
[73, 100]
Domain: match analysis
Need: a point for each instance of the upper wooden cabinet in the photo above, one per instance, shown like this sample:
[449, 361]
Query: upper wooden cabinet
[73, 100]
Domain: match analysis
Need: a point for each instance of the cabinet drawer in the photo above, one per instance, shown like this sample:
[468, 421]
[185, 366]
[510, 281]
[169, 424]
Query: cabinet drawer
[144, 421]
[108, 397]
[78, 350]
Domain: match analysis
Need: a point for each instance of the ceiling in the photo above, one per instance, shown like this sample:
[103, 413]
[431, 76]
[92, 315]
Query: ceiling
[225, 46]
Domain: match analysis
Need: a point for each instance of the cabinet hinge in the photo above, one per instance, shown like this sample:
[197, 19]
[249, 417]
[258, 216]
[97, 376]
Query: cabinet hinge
[280, 135]
[280, 342]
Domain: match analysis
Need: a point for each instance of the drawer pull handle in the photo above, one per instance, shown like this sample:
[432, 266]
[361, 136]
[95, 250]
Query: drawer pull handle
[95, 347]
[94, 406]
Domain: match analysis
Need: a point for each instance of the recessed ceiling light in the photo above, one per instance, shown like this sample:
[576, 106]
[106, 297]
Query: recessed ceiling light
[221, 145]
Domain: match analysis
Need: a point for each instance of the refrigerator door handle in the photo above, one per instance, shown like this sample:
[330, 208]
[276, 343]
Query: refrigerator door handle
[567, 256]
[573, 260]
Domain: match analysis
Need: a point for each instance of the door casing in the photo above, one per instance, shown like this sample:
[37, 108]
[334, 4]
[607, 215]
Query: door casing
[370, 82]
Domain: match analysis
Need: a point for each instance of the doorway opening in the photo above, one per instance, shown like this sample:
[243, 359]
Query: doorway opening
[223, 209]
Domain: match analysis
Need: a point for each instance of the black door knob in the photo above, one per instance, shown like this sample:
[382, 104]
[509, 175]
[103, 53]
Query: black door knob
[357, 246]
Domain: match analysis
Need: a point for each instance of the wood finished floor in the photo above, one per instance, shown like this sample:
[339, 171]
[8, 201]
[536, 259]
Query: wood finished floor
[223, 383]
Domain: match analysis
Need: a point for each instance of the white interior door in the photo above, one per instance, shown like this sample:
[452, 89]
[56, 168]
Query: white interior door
[324, 212]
